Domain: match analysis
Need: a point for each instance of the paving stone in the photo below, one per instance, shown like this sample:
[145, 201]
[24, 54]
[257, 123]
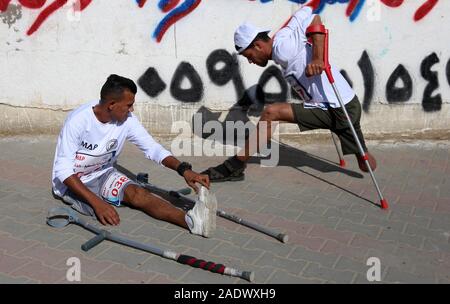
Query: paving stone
[316, 271]
[331, 215]
[131, 258]
[5, 279]
[389, 235]
[272, 246]
[370, 231]
[282, 277]
[324, 259]
[292, 267]
[16, 229]
[396, 276]
[248, 256]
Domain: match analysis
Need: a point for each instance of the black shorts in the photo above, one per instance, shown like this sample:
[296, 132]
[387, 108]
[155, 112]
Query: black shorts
[333, 119]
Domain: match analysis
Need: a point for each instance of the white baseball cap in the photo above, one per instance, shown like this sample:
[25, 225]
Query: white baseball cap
[245, 34]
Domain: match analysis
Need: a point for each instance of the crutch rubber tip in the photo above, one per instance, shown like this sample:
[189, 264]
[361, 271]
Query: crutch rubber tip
[283, 237]
[384, 204]
[248, 275]
[342, 163]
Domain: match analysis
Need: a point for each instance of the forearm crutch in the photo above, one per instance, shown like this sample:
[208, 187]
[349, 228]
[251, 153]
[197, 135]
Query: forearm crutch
[62, 216]
[339, 152]
[188, 203]
[320, 29]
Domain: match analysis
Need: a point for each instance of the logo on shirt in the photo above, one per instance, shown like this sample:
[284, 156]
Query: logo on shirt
[111, 144]
[298, 88]
[88, 146]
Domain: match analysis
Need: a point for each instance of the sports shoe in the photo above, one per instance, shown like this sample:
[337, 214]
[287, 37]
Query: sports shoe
[203, 215]
[362, 164]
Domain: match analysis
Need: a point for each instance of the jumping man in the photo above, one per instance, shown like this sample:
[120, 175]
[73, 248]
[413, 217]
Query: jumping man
[302, 64]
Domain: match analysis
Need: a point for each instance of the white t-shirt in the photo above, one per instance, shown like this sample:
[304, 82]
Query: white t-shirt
[292, 51]
[89, 147]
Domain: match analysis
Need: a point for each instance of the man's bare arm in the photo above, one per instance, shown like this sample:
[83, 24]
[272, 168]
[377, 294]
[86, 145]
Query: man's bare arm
[317, 65]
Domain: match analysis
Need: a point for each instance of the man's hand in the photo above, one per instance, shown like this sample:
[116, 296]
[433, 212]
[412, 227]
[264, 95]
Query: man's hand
[106, 214]
[192, 177]
[316, 67]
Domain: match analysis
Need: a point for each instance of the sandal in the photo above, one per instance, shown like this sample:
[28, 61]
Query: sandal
[226, 172]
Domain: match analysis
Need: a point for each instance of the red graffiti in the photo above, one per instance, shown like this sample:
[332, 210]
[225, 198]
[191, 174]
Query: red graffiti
[351, 7]
[352, 11]
[80, 5]
[142, 3]
[392, 3]
[4, 5]
[354, 6]
[425, 9]
[420, 13]
[170, 5]
[57, 4]
[33, 4]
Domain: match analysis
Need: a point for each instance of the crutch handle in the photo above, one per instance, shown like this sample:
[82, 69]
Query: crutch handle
[94, 241]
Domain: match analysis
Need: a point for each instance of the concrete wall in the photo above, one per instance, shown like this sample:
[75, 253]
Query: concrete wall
[55, 55]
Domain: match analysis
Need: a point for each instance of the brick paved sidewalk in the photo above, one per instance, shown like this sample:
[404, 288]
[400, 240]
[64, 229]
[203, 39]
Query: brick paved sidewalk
[329, 214]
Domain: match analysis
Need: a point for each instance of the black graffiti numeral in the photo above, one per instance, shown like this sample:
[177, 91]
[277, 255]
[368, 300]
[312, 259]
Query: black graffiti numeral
[195, 92]
[269, 73]
[347, 78]
[399, 94]
[368, 73]
[430, 103]
[151, 83]
[229, 71]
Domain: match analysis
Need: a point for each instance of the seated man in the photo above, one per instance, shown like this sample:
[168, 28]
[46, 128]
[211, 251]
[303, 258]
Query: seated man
[302, 64]
[90, 142]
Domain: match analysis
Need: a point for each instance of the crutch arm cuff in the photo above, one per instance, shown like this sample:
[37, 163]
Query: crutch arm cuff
[315, 29]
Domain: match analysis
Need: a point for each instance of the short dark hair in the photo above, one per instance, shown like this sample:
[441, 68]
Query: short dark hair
[263, 36]
[114, 87]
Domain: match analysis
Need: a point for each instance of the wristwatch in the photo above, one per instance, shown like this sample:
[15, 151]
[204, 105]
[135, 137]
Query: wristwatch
[183, 167]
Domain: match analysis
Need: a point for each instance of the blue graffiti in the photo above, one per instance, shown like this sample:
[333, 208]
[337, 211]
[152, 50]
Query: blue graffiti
[353, 16]
[175, 14]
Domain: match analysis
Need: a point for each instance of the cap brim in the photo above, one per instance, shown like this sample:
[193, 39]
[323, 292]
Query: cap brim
[244, 48]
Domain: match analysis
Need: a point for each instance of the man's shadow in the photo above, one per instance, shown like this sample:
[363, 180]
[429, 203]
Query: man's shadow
[252, 104]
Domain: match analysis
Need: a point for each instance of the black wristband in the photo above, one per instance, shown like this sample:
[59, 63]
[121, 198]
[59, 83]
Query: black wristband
[183, 167]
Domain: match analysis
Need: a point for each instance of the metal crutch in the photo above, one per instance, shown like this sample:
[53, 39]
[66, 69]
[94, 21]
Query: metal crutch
[321, 29]
[62, 216]
[188, 203]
